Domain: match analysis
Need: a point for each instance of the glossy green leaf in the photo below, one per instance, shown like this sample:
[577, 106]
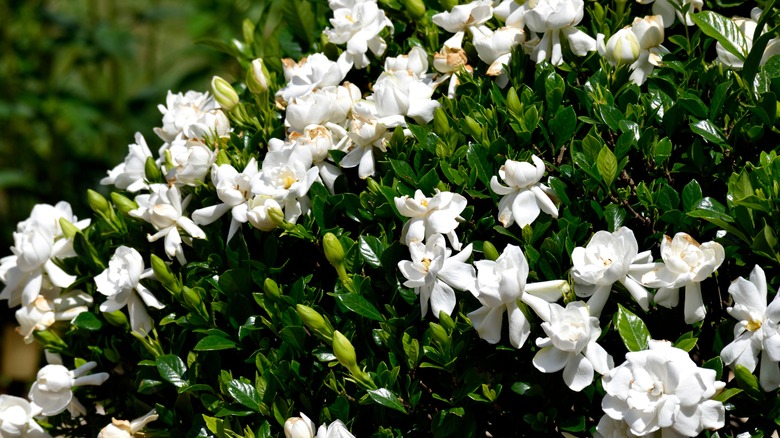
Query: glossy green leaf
[87, 321]
[706, 130]
[214, 343]
[607, 165]
[748, 382]
[386, 398]
[245, 394]
[171, 369]
[356, 303]
[691, 195]
[563, 125]
[632, 329]
[371, 249]
[724, 30]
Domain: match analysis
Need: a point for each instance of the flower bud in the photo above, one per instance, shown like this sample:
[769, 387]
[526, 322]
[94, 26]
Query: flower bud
[98, 203]
[415, 8]
[513, 103]
[439, 334]
[277, 217]
[68, 229]
[344, 351]
[123, 203]
[224, 93]
[257, 77]
[271, 288]
[194, 302]
[297, 427]
[334, 252]
[649, 31]
[441, 125]
[315, 322]
[490, 251]
[152, 171]
[473, 127]
[165, 276]
[117, 318]
[622, 47]
[222, 158]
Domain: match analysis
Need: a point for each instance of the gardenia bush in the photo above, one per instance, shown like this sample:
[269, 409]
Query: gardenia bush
[425, 218]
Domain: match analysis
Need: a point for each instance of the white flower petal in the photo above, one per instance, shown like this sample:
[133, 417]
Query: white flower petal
[550, 360]
[578, 372]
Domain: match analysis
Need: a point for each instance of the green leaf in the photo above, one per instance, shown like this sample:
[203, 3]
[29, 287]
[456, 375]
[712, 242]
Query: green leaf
[300, 19]
[214, 343]
[386, 398]
[765, 242]
[706, 130]
[404, 171]
[727, 394]
[476, 156]
[611, 116]
[554, 88]
[371, 249]
[245, 394]
[171, 369]
[411, 349]
[691, 195]
[607, 165]
[360, 305]
[724, 31]
[563, 125]
[632, 330]
[716, 363]
[520, 387]
[88, 321]
[662, 150]
[748, 382]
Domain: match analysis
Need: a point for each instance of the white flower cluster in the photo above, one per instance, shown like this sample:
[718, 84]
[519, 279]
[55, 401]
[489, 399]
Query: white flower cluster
[303, 427]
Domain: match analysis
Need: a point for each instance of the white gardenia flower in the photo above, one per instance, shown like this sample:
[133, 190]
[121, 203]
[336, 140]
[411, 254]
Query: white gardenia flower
[512, 13]
[163, 208]
[465, 17]
[16, 418]
[553, 18]
[48, 308]
[500, 284]
[496, 50]
[429, 216]
[649, 32]
[192, 115]
[405, 93]
[621, 48]
[234, 189]
[258, 213]
[37, 241]
[415, 62]
[313, 72]
[299, 427]
[524, 197]
[748, 28]
[571, 345]
[319, 140]
[758, 329]
[127, 429]
[367, 131]
[686, 264]
[286, 176]
[186, 162]
[336, 429]
[433, 273]
[662, 389]
[330, 105]
[667, 9]
[358, 24]
[53, 388]
[609, 258]
[120, 282]
[129, 175]
[450, 60]
[609, 428]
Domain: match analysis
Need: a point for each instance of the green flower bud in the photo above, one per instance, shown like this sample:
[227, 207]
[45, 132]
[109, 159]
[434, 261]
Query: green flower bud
[123, 203]
[334, 252]
[373, 186]
[271, 289]
[473, 128]
[222, 158]
[152, 171]
[277, 217]
[490, 251]
[315, 322]
[50, 340]
[224, 93]
[415, 8]
[513, 102]
[439, 334]
[117, 318]
[68, 229]
[165, 276]
[194, 302]
[257, 77]
[98, 203]
[344, 351]
[441, 125]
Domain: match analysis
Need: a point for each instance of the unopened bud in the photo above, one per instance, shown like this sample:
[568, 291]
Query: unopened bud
[68, 229]
[334, 252]
[277, 217]
[271, 288]
[447, 5]
[165, 276]
[123, 203]
[222, 158]
[513, 102]
[473, 127]
[297, 427]
[490, 251]
[315, 322]
[415, 8]
[117, 318]
[194, 302]
[373, 186]
[224, 93]
[98, 203]
[344, 351]
[152, 171]
[441, 125]
[438, 333]
[446, 321]
[257, 77]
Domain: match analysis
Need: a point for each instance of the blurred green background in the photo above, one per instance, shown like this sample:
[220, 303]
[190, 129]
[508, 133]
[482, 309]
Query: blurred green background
[78, 78]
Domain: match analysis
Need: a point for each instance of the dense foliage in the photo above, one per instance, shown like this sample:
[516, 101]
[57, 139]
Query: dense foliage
[242, 276]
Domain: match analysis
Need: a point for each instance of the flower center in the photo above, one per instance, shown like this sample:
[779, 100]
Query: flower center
[427, 263]
[753, 325]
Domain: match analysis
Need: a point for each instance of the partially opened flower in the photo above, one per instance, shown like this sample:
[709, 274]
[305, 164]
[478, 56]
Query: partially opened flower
[234, 189]
[48, 308]
[747, 26]
[313, 72]
[120, 282]
[163, 208]
[336, 429]
[465, 17]
[286, 176]
[554, 19]
[662, 390]
[500, 284]
[321, 107]
[524, 197]
[686, 264]
[649, 32]
[571, 345]
[186, 162]
[192, 115]
[358, 26]
[496, 50]
[429, 216]
[433, 273]
[667, 9]
[368, 131]
[129, 175]
[621, 48]
[16, 418]
[450, 60]
[319, 140]
[128, 429]
[610, 258]
[299, 427]
[53, 388]
[758, 329]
